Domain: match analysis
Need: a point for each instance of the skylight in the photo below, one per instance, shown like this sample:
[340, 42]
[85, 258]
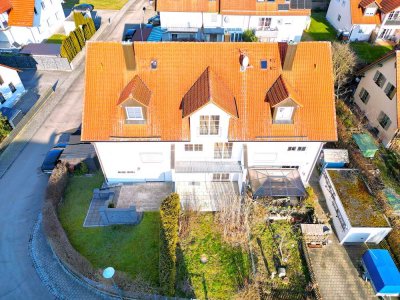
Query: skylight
[264, 64]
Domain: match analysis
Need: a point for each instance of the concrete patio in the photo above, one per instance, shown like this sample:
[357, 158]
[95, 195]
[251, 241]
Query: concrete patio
[205, 195]
[144, 196]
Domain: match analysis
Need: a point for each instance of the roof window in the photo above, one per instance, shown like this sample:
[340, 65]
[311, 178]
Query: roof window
[263, 64]
[153, 64]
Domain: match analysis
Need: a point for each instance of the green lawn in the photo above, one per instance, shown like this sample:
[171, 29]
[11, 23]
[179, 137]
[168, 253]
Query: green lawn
[98, 4]
[133, 249]
[56, 38]
[367, 52]
[320, 29]
[222, 275]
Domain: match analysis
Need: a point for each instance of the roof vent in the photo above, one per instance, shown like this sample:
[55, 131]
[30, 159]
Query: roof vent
[153, 64]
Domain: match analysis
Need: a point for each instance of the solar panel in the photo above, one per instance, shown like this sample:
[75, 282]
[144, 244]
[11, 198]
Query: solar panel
[300, 4]
[283, 6]
[264, 64]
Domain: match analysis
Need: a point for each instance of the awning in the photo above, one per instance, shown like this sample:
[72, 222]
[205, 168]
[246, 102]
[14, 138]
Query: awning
[384, 275]
[156, 34]
[207, 167]
[214, 30]
[276, 183]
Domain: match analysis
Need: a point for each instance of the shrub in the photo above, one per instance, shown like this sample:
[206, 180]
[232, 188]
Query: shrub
[4, 127]
[249, 36]
[169, 214]
[81, 169]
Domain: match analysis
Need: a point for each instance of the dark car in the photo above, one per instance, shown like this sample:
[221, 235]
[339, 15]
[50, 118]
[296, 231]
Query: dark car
[84, 7]
[129, 35]
[51, 160]
[155, 21]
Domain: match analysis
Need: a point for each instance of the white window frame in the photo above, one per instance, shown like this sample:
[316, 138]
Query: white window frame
[136, 109]
[283, 115]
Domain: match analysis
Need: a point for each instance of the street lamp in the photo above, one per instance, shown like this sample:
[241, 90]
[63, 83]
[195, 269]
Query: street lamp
[108, 273]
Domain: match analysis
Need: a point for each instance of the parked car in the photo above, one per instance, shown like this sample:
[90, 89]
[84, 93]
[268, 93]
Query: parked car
[129, 35]
[155, 21]
[84, 7]
[51, 160]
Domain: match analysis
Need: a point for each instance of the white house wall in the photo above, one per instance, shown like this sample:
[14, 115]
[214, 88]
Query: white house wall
[366, 235]
[289, 27]
[10, 76]
[342, 8]
[45, 23]
[378, 100]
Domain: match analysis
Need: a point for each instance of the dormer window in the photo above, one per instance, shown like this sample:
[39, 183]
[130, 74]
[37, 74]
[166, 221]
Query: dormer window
[209, 125]
[283, 115]
[134, 113]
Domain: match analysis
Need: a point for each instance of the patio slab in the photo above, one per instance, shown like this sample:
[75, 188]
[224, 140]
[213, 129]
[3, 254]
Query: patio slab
[145, 196]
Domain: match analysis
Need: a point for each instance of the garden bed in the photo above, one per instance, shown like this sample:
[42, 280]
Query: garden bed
[132, 249]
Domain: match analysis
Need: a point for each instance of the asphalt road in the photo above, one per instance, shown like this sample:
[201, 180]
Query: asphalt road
[23, 185]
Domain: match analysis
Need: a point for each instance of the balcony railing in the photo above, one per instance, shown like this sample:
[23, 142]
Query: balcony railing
[392, 22]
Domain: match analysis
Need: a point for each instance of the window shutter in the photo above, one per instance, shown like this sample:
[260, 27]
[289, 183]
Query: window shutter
[392, 93]
[387, 88]
[388, 123]
[376, 75]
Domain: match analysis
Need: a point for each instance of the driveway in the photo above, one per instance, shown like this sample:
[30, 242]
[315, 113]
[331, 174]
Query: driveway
[336, 267]
[22, 190]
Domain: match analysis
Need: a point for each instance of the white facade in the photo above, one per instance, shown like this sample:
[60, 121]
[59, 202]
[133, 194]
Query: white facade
[155, 161]
[390, 27]
[374, 102]
[187, 25]
[11, 87]
[339, 16]
[48, 17]
[345, 231]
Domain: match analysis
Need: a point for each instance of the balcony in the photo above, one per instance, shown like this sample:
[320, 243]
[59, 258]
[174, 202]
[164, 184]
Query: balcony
[392, 22]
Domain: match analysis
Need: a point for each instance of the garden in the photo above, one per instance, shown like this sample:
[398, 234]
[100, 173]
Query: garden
[232, 254]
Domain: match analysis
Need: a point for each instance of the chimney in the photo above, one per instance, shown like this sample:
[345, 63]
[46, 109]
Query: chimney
[289, 56]
[129, 56]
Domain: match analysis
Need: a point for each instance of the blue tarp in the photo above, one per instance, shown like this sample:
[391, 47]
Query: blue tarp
[155, 34]
[383, 272]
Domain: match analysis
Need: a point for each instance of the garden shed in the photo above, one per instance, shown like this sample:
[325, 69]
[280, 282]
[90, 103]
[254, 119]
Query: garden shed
[382, 272]
[334, 158]
[366, 144]
[355, 215]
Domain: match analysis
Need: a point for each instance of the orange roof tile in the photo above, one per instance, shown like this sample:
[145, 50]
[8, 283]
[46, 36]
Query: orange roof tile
[253, 7]
[22, 13]
[187, 5]
[136, 89]
[357, 14]
[208, 88]
[179, 65]
[387, 6]
[4, 6]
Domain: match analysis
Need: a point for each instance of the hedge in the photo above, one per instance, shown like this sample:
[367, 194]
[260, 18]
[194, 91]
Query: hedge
[169, 214]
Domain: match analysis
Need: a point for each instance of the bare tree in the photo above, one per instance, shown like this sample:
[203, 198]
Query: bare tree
[344, 61]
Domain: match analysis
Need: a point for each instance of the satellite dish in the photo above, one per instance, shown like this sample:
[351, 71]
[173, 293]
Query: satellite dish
[244, 61]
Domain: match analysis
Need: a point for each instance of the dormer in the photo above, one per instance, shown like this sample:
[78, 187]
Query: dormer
[370, 7]
[283, 101]
[134, 101]
[209, 104]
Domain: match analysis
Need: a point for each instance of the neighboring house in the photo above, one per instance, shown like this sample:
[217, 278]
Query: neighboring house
[200, 113]
[11, 87]
[377, 97]
[366, 19]
[224, 20]
[354, 214]
[28, 21]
